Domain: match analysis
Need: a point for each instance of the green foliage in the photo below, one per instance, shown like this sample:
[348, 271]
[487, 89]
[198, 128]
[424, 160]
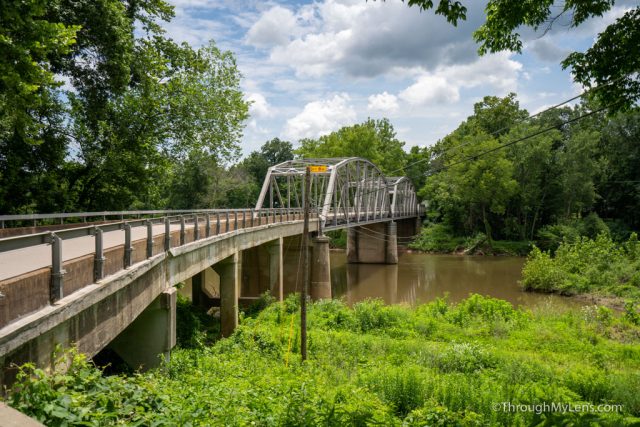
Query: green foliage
[570, 231]
[362, 371]
[83, 396]
[338, 238]
[436, 238]
[598, 266]
[194, 327]
[29, 42]
[440, 238]
[136, 104]
[557, 183]
[374, 140]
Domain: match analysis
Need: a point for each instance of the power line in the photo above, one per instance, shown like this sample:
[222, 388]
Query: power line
[524, 138]
[553, 107]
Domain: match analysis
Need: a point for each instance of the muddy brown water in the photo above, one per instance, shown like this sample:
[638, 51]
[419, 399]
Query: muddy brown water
[420, 278]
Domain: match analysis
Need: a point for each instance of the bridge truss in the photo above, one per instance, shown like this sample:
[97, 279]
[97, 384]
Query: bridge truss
[351, 191]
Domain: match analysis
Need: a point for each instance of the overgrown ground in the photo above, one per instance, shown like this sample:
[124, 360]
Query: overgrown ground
[437, 364]
[438, 238]
[599, 266]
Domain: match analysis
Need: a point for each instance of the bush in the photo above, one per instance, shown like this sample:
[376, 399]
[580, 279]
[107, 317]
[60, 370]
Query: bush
[551, 236]
[587, 266]
[437, 238]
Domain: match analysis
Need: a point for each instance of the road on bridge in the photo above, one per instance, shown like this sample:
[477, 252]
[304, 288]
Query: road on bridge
[21, 261]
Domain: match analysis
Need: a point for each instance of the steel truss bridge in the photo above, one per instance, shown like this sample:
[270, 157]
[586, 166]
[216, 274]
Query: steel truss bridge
[351, 191]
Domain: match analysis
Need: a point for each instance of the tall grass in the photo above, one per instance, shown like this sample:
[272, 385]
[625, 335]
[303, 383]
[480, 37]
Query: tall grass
[437, 364]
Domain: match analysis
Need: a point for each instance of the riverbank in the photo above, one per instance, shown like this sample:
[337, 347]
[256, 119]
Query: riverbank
[593, 269]
[436, 364]
[437, 238]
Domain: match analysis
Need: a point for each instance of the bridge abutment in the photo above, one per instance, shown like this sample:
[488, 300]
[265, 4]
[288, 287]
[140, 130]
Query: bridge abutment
[373, 244]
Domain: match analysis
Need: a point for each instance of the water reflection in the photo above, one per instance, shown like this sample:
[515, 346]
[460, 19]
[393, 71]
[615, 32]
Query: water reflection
[419, 278]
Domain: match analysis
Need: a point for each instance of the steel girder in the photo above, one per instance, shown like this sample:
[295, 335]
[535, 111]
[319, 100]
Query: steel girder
[352, 190]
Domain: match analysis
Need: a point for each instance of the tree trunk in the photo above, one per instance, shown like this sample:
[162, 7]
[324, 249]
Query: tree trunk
[487, 226]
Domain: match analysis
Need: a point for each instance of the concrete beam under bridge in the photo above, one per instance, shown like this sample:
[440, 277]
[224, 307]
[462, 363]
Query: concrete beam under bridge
[150, 335]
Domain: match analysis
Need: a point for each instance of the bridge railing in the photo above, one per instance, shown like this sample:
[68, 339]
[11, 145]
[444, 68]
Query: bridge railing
[143, 238]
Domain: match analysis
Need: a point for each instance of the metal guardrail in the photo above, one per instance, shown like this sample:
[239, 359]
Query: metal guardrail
[4, 219]
[173, 216]
[216, 221]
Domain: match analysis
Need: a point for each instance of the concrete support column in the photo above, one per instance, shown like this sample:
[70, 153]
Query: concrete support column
[352, 246]
[391, 244]
[373, 244]
[229, 270]
[320, 268]
[197, 293]
[151, 334]
[276, 276]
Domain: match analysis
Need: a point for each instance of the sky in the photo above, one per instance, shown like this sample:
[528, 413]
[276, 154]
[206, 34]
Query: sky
[311, 67]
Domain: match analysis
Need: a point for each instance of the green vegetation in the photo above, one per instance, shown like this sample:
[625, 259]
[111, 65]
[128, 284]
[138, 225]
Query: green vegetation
[598, 266]
[437, 364]
[571, 181]
[440, 239]
[374, 140]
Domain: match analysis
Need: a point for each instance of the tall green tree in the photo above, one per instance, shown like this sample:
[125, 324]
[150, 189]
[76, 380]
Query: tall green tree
[29, 42]
[271, 153]
[135, 105]
[473, 189]
[374, 140]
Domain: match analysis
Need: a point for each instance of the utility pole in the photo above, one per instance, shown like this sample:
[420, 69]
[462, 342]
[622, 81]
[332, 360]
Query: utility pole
[306, 274]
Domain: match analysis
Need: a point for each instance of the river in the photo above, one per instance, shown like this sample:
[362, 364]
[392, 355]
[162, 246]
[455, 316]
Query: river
[420, 278]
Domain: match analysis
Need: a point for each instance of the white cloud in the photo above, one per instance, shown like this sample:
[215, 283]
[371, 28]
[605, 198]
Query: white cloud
[320, 118]
[259, 106]
[273, 28]
[315, 54]
[431, 89]
[383, 102]
[444, 84]
[364, 38]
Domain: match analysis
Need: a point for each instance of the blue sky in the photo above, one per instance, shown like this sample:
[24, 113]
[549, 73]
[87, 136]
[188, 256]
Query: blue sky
[312, 67]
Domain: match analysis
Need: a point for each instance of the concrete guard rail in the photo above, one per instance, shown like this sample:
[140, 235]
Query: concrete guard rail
[193, 226]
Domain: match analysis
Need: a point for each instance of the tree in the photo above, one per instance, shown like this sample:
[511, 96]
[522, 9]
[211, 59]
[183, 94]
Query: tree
[472, 189]
[374, 140]
[271, 153]
[29, 42]
[181, 103]
[136, 104]
[612, 61]
[618, 185]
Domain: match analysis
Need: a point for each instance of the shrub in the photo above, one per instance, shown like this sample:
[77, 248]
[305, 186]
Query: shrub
[588, 265]
[437, 238]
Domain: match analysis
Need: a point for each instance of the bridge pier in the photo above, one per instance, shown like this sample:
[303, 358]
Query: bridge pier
[276, 273]
[151, 334]
[229, 270]
[408, 228]
[320, 268]
[373, 244]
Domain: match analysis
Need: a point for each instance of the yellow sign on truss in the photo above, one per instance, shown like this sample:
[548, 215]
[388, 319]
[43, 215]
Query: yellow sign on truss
[318, 168]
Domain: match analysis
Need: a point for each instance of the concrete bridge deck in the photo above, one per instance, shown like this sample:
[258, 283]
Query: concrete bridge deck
[114, 285]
